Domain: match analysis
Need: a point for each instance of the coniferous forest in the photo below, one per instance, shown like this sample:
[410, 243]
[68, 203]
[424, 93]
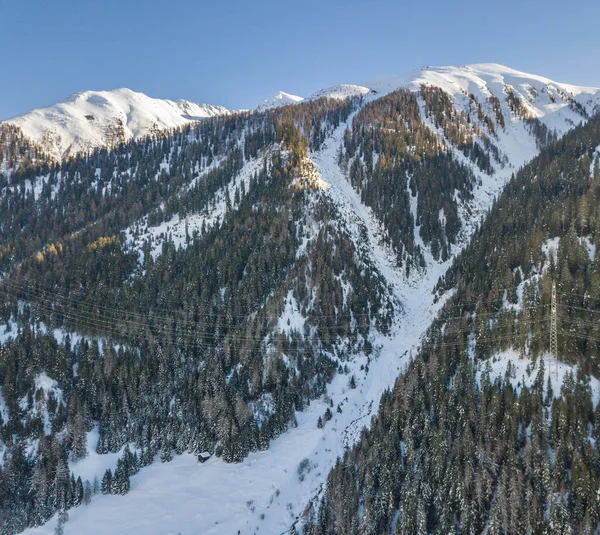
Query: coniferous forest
[470, 452]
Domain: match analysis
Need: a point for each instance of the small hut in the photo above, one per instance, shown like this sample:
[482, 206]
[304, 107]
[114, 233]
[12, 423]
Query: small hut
[204, 456]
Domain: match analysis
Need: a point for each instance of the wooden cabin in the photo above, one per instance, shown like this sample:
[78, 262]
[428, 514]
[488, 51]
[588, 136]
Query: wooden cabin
[204, 456]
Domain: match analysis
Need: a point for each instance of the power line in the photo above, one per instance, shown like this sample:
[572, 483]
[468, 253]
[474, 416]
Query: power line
[19, 285]
[104, 317]
[185, 339]
[192, 334]
[182, 337]
[590, 310]
[114, 313]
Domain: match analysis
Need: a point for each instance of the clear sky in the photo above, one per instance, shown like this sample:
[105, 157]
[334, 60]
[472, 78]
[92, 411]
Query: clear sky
[236, 53]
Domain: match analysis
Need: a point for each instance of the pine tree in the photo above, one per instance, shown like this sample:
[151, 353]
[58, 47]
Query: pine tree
[79, 492]
[166, 454]
[78, 440]
[87, 493]
[106, 485]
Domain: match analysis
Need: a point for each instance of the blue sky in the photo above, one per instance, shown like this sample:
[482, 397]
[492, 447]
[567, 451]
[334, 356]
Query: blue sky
[236, 53]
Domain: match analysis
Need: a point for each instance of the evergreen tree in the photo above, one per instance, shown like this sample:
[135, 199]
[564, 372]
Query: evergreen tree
[107, 482]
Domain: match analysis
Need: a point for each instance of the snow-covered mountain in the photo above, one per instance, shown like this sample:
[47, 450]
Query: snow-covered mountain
[92, 119]
[496, 108]
[341, 91]
[337, 92]
[542, 98]
[278, 99]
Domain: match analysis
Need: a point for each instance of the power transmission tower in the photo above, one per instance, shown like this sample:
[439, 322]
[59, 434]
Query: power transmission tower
[553, 327]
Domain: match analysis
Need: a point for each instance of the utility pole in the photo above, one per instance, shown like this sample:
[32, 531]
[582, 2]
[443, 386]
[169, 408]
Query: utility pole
[553, 327]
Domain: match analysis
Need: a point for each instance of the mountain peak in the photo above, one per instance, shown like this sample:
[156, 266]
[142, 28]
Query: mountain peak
[81, 121]
[476, 73]
[341, 91]
[281, 98]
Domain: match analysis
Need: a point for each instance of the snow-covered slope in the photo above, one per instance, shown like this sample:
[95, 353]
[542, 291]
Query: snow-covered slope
[268, 490]
[96, 118]
[341, 91]
[559, 105]
[278, 99]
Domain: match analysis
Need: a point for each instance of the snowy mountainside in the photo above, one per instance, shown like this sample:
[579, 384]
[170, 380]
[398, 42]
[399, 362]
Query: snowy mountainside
[16, 148]
[280, 98]
[491, 343]
[313, 211]
[337, 92]
[341, 91]
[561, 106]
[504, 135]
[272, 488]
[99, 118]
[93, 119]
[273, 247]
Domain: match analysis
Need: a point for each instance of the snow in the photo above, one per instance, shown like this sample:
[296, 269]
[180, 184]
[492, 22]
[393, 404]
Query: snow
[341, 92]
[80, 122]
[263, 408]
[310, 232]
[8, 331]
[94, 465]
[515, 143]
[309, 176]
[291, 319]
[189, 497]
[590, 246]
[524, 372]
[47, 386]
[550, 248]
[485, 79]
[278, 99]
[179, 229]
[215, 497]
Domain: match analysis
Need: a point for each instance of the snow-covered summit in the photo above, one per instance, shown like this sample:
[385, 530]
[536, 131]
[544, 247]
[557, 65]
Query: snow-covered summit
[541, 97]
[341, 91]
[92, 119]
[278, 99]
[472, 79]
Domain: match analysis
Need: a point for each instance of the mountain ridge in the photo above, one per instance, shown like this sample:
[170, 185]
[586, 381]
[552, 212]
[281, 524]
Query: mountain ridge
[90, 119]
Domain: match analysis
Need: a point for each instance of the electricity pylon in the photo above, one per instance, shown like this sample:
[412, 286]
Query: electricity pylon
[553, 327]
